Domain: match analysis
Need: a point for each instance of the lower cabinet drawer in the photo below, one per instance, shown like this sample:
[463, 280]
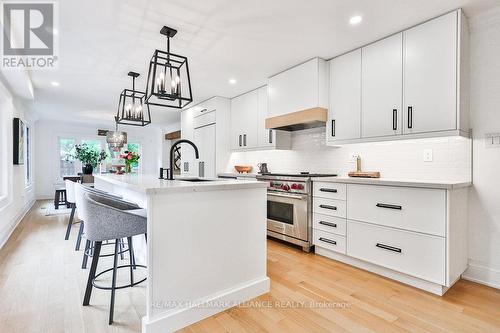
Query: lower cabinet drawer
[415, 254]
[329, 241]
[329, 223]
[329, 207]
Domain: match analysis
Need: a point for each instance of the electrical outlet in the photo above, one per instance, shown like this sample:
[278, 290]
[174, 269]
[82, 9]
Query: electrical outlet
[353, 157]
[492, 140]
[427, 155]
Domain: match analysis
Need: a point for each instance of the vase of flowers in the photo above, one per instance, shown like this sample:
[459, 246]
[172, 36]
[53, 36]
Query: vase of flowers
[130, 158]
[89, 156]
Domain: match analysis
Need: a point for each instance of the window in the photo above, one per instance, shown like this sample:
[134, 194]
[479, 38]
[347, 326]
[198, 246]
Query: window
[66, 160]
[135, 148]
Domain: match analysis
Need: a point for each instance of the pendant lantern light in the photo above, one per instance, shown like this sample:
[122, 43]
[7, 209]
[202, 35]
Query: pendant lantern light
[132, 109]
[168, 83]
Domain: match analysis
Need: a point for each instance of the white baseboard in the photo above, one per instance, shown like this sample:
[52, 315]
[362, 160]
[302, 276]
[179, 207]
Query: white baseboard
[12, 225]
[178, 318]
[480, 273]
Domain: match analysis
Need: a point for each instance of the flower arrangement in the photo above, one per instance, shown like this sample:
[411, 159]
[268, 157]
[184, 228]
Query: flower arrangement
[89, 156]
[130, 158]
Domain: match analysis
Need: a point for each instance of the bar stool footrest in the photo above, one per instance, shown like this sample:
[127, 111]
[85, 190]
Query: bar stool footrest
[118, 287]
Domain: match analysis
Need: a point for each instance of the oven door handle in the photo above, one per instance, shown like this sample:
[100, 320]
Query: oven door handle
[288, 196]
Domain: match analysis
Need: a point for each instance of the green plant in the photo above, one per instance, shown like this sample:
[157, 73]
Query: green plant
[89, 155]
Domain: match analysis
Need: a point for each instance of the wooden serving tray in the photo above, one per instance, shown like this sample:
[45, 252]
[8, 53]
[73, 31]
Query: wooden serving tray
[364, 174]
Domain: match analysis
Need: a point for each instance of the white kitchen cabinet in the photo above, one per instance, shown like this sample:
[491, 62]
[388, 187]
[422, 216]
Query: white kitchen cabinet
[244, 115]
[188, 164]
[248, 123]
[416, 235]
[411, 85]
[205, 140]
[214, 111]
[299, 88]
[344, 114]
[382, 87]
[430, 75]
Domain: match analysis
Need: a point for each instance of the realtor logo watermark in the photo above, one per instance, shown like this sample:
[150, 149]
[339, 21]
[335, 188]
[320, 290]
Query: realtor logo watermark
[29, 35]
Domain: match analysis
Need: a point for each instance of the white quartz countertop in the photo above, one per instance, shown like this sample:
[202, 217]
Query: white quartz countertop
[238, 175]
[150, 184]
[448, 185]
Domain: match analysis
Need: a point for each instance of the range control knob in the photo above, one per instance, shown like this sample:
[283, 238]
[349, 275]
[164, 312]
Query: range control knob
[295, 186]
[285, 187]
[300, 186]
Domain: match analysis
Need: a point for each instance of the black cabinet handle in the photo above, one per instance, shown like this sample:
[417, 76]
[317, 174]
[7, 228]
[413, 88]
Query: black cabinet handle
[394, 119]
[270, 136]
[381, 205]
[239, 140]
[328, 224]
[329, 241]
[328, 207]
[204, 110]
[387, 247]
[244, 140]
[330, 190]
[410, 117]
[333, 127]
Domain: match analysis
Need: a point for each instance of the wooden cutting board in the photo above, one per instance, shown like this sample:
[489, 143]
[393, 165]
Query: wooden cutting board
[364, 174]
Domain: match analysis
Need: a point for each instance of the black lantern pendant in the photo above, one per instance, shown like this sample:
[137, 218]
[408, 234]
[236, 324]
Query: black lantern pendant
[168, 84]
[132, 108]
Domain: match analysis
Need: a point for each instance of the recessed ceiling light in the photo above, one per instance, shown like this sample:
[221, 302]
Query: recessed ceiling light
[355, 20]
[232, 81]
[54, 83]
[55, 31]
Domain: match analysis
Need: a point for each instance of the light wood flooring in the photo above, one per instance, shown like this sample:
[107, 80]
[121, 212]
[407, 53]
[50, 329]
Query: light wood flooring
[42, 285]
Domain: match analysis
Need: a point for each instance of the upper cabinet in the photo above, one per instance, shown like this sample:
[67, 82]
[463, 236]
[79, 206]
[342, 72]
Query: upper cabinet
[248, 118]
[344, 113]
[430, 75]
[300, 88]
[413, 84]
[382, 87]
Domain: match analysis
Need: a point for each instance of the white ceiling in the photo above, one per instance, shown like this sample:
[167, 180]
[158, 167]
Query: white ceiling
[100, 41]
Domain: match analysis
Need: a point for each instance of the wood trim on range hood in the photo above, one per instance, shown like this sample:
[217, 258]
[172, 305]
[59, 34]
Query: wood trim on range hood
[295, 121]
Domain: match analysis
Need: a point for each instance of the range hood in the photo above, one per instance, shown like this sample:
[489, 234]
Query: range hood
[296, 121]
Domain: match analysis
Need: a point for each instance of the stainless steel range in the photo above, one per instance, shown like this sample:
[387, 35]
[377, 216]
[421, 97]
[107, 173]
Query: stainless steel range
[289, 206]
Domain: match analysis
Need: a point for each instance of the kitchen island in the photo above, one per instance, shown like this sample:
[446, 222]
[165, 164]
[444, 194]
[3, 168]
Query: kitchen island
[206, 244]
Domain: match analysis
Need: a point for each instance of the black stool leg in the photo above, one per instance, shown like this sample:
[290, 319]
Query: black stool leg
[131, 255]
[146, 236]
[113, 283]
[85, 255]
[79, 238]
[121, 248]
[70, 221]
[56, 200]
[93, 268]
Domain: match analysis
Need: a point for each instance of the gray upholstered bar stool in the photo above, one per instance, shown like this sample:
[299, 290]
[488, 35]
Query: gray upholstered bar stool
[112, 200]
[104, 223]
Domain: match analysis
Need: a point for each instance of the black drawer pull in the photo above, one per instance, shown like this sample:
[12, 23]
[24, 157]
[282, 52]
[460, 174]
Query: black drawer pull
[330, 190]
[329, 241]
[394, 119]
[410, 117]
[328, 207]
[329, 224]
[387, 247]
[381, 205]
[333, 127]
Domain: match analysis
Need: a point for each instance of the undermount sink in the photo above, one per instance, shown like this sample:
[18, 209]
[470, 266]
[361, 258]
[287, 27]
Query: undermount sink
[195, 179]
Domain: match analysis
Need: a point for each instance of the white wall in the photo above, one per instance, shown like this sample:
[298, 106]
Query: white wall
[18, 196]
[484, 204]
[395, 159]
[46, 147]
[167, 144]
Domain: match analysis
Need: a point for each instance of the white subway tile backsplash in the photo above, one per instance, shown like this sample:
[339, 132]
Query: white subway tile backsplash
[394, 159]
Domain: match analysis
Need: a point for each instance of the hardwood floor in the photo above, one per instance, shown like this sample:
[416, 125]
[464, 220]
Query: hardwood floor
[42, 285]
